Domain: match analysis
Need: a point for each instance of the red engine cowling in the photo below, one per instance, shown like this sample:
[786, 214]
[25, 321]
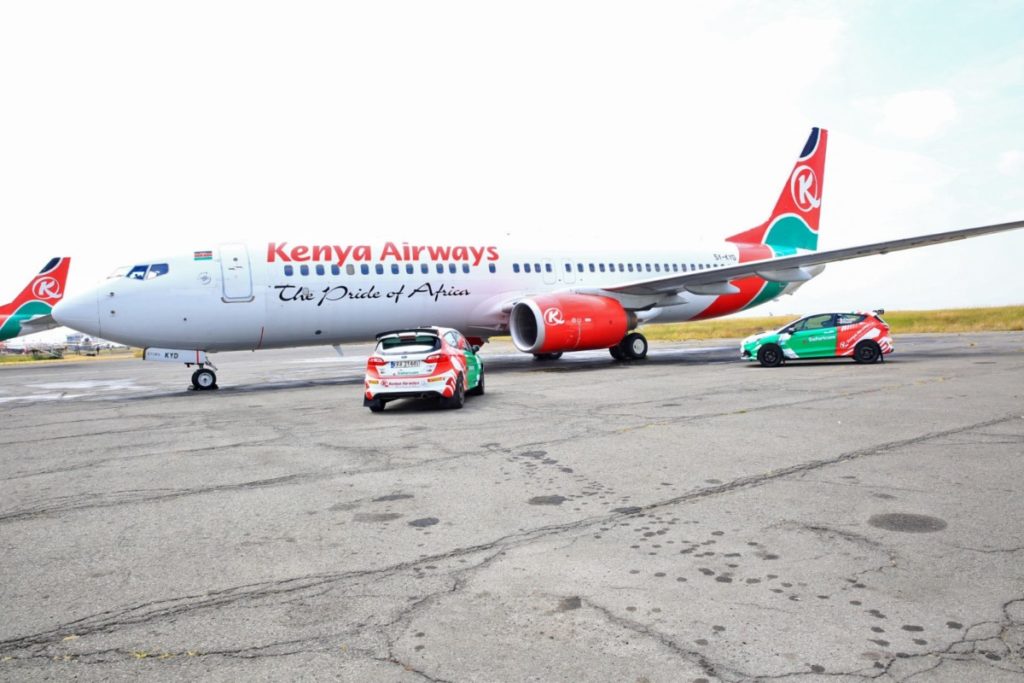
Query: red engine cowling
[552, 323]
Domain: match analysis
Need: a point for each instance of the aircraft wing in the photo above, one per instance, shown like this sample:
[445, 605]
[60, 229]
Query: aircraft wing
[791, 268]
[40, 323]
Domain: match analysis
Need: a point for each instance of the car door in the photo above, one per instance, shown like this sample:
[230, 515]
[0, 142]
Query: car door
[472, 362]
[815, 337]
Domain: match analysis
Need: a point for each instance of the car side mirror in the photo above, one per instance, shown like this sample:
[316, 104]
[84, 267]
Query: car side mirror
[476, 348]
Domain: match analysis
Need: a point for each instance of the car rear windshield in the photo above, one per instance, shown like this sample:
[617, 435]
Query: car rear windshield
[411, 344]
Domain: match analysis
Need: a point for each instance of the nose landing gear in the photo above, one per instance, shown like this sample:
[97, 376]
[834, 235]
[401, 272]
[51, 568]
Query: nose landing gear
[204, 379]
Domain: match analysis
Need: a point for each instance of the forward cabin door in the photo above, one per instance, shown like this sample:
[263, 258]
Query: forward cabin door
[236, 273]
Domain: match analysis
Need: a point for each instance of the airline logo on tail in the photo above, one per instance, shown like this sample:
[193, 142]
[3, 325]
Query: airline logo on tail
[803, 185]
[30, 311]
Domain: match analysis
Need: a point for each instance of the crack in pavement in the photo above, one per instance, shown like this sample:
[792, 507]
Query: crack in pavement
[110, 620]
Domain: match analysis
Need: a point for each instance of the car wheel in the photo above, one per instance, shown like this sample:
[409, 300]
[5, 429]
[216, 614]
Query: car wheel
[478, 390]
[770, 356]
[867, 352]
[375, 405]
[616, 353]
[547, 356]
[458, 399]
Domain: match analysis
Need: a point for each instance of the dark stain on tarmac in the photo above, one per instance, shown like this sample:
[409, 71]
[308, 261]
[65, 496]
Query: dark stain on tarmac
[393, 496]
[547, 500]
[909, 523]
[424, 521]
[568, 604]
[376, 516]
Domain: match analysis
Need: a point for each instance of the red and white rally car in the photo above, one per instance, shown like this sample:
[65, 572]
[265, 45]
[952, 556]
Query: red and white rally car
[426, 362]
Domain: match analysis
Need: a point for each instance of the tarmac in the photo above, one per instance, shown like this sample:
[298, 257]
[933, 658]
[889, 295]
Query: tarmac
[691, 517]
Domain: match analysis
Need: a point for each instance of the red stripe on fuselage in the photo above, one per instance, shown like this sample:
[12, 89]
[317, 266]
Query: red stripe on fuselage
[749, 287]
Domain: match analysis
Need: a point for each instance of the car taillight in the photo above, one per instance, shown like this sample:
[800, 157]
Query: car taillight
[434, 358]
[376, 361]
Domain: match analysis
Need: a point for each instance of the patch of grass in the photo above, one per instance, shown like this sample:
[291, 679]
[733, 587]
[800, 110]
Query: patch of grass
[23, 358]
[996, 319]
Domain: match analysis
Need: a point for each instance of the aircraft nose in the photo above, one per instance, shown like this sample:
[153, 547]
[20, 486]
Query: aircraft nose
[80, 312]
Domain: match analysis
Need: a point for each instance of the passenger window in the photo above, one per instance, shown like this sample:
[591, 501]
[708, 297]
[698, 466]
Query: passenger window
[591, 267]
[547, 267]
[304, 270]
[600, 266]
[379, 268]
[394, 269]
[137, 273]
[156, 270]
[424, 268]
[647, 267]
[289, 271]
[440, 267]
[536, 267]
[465, 267]
[364, 269]
[515, 267]
[319, 269]
[850, 319]
[526, 267]
[657, 267]
[491, 267]
[409, 269]
[452, 268]
[630, 267]
[579, 267]
[350, 269]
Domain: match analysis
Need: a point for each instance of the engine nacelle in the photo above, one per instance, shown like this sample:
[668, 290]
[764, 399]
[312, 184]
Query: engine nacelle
[553, 323]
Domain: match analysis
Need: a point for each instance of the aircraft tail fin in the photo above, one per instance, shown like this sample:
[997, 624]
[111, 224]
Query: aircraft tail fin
[794, 221]
[37, 299]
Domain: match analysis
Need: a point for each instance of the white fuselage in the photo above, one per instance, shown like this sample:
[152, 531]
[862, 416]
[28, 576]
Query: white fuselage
[271, 296]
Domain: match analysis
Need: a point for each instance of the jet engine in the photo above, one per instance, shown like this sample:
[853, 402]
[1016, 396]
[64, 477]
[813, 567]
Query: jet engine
[552, 323]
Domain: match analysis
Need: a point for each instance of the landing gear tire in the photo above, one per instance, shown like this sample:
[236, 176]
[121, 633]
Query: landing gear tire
[547, 356]
[770, 356]
[867, 352]
[204, 379]
[478, 390]
[616, 353]
[458, 399]
[375, 405]
[633, 346]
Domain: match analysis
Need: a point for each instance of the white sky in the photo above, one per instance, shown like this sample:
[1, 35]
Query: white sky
[130, 130]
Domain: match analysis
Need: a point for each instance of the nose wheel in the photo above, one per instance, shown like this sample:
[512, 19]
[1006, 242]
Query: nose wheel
[204, 379]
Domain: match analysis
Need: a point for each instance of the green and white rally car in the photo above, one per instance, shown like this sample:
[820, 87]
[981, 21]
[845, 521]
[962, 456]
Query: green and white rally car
[864, 336]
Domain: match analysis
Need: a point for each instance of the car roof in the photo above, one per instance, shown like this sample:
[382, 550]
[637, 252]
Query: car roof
[435, 331]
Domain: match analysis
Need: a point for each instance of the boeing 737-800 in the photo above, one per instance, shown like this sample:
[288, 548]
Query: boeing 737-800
[285, 293]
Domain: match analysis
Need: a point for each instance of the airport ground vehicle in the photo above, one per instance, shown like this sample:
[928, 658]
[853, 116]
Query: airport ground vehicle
[864, 336]
[426, 362]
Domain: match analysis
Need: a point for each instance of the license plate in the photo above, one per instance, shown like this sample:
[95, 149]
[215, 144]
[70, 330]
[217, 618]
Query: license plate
[405, 363]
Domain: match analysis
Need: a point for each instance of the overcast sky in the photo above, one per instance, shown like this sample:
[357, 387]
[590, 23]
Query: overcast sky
[130, 130]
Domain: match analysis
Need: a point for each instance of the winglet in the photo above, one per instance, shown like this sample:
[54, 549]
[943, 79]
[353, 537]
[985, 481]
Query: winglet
[37, 298]
[794, 221]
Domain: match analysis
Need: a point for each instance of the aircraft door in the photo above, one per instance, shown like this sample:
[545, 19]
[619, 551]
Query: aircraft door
[568, 273]
[550, 277]
[236, 273]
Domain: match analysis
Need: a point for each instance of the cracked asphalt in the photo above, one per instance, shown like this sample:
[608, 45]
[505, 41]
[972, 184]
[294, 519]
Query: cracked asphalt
[687, 518]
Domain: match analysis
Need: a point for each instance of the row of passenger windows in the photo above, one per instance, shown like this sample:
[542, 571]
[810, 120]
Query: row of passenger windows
[618, 267]
[364, 268]
[396, 269]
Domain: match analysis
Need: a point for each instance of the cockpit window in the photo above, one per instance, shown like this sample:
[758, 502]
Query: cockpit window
[144, 272]
[120, 271]
[156, 270]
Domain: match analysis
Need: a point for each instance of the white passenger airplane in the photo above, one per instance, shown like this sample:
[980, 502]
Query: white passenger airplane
[285, 294]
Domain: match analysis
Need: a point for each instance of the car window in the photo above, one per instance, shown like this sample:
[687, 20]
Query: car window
[815, 322]
[849, 319]
[419, 343]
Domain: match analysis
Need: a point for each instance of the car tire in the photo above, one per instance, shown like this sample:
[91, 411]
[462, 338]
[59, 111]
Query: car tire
[478, 390]
[867, 352]
[770, 356]
[616, 353]
[458, 399]
[547, 356]
[375, 405]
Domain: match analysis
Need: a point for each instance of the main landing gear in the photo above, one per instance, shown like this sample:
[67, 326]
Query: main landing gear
[632, 347]
[204, 379]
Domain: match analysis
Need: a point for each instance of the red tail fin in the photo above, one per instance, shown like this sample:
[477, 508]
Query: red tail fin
[46, 287]
[794, 222]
